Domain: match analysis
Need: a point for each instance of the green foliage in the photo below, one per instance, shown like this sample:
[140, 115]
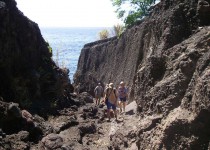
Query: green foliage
[104, 34]
[135, 10]
[118, 30]
[54, 104]
[49, 47]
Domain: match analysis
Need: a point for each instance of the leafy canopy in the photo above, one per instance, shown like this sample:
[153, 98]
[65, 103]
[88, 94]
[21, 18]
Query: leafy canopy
[132, 10]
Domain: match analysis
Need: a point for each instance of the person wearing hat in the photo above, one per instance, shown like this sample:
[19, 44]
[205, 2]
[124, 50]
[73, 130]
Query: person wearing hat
[122, 94]
[98, 93]
[110, 93]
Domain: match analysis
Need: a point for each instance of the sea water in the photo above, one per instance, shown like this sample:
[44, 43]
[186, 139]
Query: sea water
[67, 43]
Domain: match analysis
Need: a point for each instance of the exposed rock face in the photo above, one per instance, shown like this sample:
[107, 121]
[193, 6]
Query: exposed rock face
[166, 61]
[30, 82]
[203, 10]
[119, 59]
[28, 73]
[178, 97]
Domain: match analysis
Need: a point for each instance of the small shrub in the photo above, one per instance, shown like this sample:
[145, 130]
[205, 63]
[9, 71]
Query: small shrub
[118, 30]
[104, 34]
[49, 48]
[54, 104]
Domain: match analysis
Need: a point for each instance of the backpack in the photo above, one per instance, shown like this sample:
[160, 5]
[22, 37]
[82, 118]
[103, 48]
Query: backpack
[109, 92]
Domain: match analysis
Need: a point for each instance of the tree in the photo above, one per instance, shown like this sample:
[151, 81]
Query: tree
[132, 10]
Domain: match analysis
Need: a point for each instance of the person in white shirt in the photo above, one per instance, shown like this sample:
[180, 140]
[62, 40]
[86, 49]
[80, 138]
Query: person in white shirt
[98, 93]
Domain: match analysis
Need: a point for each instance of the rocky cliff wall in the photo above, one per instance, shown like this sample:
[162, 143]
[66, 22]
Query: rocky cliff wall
[119, 59]
[28, 74]
[180, 99]
[165, 60]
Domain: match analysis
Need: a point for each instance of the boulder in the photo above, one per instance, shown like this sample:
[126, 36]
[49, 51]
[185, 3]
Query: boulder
[131, 108]
[14, 110]
[63, 123]
[84, 96]
[88, 128]
[51, 141]
[27, 117]
[17, 141]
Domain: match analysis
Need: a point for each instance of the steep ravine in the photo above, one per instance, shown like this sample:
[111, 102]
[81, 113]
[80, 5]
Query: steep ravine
[164, 59]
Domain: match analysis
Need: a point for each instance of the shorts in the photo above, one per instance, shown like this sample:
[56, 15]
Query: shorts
[123, 99]
[110, 105]
[98, 96]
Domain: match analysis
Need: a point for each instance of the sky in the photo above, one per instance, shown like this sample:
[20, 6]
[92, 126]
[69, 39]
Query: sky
[70, 13]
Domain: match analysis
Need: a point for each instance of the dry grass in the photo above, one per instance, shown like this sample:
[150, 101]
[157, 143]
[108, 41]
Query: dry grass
[118, 30]
[104, 34]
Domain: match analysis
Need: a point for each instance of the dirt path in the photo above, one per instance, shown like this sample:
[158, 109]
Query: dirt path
[95, 132]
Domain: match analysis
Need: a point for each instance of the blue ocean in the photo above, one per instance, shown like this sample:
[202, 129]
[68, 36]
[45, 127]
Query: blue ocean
[67, 44]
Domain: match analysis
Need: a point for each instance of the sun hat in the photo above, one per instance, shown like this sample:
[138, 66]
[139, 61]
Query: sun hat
[122, 83]
[111, 85]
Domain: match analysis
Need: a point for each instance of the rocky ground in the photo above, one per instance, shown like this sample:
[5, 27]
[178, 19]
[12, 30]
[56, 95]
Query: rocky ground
[84, 127]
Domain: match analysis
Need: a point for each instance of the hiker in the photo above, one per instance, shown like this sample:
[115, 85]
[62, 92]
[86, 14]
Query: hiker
[122, 94]
[110, 94]
[98, 93]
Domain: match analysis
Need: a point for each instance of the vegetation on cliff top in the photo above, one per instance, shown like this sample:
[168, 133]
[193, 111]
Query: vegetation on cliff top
[104, 34]
[132, 10]
[116, 31]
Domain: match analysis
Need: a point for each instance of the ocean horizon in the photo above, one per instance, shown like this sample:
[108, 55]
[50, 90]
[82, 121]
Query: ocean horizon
[67, 42]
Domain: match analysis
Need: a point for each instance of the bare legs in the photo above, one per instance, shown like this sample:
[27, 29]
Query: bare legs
[115, 113]
[98, 99]
[124, 103]
[108, 113]
[122, 106]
